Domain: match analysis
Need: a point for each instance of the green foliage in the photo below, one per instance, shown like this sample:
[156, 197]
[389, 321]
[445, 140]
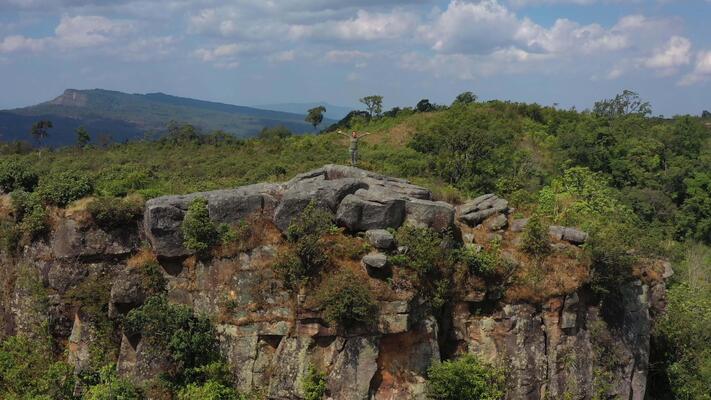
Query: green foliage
[465, 378]
[199, 233]
[315, 116]
[111, 387]
[110, 212]
[83, 137]
[16, 174]
[374, 104]
[210, 390]
[480, 262]
[424, 249]
[121, 180]
[313, 384]
[464, 98]
[188, 340]
[62, 188]
[346, 299]
[625, 103]
[535, 241]
[28, 372]
[695, 217]
[30, 214]
[306, 255]
[275, 133]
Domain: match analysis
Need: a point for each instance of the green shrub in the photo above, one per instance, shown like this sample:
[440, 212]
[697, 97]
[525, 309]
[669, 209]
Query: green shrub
[479, 262]
[346, 299]
[189, 340]
[199, 233]
[535, 241]
[121, 180]
[210, 390]
[110, 212]
[62, 188]
[424, 254]
[27, 371]
[10, 236]
[30, 214]
[306, 254]
[465, 378]
[111, 387]
[313, 384]
[16, 174]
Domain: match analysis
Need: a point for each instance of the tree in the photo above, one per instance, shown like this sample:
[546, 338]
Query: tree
[424, 105]
[625, 103]
[315, 115]
[83, 137]
[374, 104]
[705, 114]
[465, 98]
[39, 130]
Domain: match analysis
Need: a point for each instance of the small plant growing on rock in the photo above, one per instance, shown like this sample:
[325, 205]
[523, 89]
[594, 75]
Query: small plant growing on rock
[535, 241]
[307, 253]
[424, 249]
[199, 233]
[346, 299]
[30, 214]
[465, 378]
[111, 212]
[313, 384]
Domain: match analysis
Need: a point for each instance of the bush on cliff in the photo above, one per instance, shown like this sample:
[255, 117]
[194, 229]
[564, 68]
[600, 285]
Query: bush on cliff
[30, 214]
[16, 174]
[535, 241]
[62, 188]
[111, 387]
[175, 331]
[210, 390]
[111, 212]
[306, 254]
[465, 378]
[27, 372]
[313, 384]
[346, 299]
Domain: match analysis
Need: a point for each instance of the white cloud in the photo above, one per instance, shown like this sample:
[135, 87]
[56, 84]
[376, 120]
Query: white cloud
[17, 43]
[364, 26]
[675, 53]
[89, 31]
[221, 52]
[282, 56]
[701, 71]
[346, 56]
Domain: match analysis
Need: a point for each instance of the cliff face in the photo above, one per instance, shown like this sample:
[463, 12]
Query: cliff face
[539, 322]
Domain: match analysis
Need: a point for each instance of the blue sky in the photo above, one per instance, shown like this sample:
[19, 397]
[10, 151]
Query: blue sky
[569, 52]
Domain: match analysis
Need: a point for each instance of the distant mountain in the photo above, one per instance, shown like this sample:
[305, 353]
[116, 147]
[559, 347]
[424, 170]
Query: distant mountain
[126, 116]
[332, 112]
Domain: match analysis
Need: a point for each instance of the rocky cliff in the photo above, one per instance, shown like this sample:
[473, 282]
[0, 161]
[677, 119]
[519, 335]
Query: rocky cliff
[536, 319]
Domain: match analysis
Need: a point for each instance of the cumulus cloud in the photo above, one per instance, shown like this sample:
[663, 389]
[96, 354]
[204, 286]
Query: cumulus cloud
[282, 56]
[364, 26]
[675, 53]
[17, 43]
[222, 52]
[701, 71]
[346, 56]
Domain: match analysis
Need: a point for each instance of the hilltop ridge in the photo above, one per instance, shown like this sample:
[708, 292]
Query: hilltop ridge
[126, 116]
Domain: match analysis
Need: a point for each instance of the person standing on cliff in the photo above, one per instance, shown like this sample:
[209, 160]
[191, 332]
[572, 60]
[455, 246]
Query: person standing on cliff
[353, 148]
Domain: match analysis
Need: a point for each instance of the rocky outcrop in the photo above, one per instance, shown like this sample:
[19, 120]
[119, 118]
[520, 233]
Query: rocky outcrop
[553, 345]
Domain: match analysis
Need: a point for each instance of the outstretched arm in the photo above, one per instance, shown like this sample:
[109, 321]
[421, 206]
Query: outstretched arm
[365, 134]
[340, 132]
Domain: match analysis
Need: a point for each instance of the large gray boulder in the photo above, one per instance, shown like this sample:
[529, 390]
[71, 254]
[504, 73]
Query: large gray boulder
[474, 212]
[364, 211]
[325, 194]
[436, 215]
[163, 216]
[380, 238]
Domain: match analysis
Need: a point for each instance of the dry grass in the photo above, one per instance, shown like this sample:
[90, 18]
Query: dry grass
[143, 257]
[6, 209]
[260, 231]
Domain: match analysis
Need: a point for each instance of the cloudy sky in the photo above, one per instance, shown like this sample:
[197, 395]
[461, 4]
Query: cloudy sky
[569, 52]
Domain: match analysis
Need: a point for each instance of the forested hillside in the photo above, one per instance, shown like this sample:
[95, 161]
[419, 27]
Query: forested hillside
[639, 185]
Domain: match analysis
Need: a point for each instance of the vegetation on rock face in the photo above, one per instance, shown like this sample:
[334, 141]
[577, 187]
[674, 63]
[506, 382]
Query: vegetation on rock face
[465, 378]
[313, 384]
[16, 174]
[27, 371]
[346, 299]
[110, 387]
[111, 212]
[306, 253]
[535, 241]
